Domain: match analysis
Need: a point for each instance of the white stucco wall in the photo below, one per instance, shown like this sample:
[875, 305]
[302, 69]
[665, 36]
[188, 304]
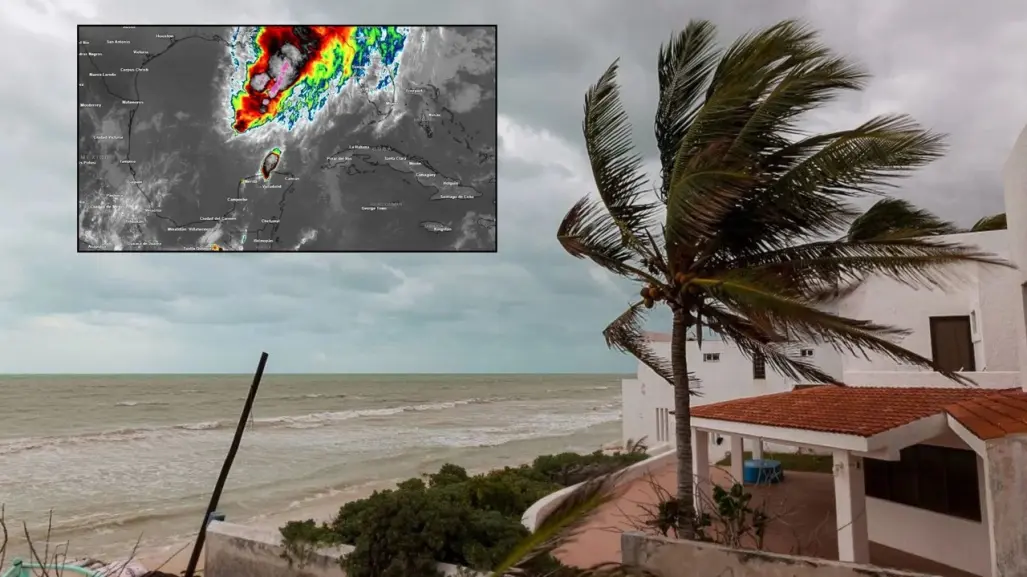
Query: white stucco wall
[988, 293]
[728, 378]
[1005, 466]
[1015, 177]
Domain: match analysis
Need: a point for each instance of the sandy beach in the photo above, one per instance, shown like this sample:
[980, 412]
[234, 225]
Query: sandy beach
[174, 557]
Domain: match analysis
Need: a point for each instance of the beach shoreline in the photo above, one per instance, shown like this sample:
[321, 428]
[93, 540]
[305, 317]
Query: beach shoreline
[174, 557]
[137, 456]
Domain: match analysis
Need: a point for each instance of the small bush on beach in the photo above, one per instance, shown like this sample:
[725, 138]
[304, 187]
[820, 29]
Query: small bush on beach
[466, 520]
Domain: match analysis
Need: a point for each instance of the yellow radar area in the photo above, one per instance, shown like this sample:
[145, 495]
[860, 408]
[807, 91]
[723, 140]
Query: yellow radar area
[216, 247]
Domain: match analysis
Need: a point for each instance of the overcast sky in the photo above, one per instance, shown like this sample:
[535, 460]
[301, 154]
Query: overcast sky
[959, 67]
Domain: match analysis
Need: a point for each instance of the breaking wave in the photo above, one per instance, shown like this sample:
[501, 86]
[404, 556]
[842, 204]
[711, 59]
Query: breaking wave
[309, 420]
[141, 404]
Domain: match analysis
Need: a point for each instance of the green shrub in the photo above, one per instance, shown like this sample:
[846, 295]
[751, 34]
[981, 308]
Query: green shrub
[471, 521]
[405, 533]
[449, 474]
[568, 469]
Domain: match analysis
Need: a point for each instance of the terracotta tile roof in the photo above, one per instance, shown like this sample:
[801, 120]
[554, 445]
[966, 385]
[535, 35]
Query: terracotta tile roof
[860, 411]
[993, 416]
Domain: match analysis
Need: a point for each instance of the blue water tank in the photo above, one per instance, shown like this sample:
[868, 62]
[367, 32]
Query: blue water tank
[762, 472]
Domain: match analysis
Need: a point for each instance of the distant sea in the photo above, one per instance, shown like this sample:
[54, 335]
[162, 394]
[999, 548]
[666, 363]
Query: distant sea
[119, 457]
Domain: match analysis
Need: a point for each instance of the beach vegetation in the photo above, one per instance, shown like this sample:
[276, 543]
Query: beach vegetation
[450, 516]
[745, 231]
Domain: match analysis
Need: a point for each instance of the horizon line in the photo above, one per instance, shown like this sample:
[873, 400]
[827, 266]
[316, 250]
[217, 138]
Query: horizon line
[268, 373]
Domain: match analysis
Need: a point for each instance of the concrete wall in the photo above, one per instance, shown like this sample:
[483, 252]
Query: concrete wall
[540, 509]
[669, 556]
[925, 378]
[1015, 177]
[930, 535]
[1005, 467]
[240, 551]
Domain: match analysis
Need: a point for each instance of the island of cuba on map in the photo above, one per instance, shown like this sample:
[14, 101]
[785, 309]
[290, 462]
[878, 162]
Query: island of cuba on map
[287, 138]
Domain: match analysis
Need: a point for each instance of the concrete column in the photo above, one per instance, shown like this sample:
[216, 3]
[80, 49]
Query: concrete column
[757, 448]
[1005, 480]
[1015, 177]
[851, 508]
[737, 457]
[701, 469]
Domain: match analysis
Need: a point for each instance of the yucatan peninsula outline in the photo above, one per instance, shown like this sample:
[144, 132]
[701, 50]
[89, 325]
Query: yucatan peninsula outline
[289, 72]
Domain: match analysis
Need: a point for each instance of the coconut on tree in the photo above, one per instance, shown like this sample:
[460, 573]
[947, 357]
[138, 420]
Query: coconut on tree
[731, 237]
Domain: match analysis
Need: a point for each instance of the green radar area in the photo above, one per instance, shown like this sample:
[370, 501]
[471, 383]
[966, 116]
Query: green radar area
[270, 162]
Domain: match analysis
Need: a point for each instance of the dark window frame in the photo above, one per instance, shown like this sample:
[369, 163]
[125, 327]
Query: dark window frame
[942, 480]
[759, 366]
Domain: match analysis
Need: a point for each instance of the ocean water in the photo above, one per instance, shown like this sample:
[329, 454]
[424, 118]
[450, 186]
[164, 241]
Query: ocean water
[120, 458]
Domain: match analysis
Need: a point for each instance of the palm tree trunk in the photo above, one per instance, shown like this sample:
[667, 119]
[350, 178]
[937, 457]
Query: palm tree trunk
[682, 425]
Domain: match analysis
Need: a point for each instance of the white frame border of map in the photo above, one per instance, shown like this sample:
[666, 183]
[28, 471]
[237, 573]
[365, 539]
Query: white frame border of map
[106, 218]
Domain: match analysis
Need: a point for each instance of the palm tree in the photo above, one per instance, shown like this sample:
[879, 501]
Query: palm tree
[730, 238]
[993, 222]
[892, 217]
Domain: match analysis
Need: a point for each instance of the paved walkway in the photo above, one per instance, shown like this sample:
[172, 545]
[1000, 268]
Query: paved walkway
[802, 509]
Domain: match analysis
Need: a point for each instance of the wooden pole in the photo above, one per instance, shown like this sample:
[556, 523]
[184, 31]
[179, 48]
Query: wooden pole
[220, 485]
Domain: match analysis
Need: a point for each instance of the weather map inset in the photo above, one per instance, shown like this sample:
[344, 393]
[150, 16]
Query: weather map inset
[287, 138]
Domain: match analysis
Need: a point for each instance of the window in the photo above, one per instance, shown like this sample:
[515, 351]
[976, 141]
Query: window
[936, 479]
[952, 345]
[759, 366]
[662, 425]
[806, 353]
[1023, 292]
[711, 357]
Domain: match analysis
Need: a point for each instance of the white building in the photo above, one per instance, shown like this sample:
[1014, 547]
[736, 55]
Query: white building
[969, 326]
[894, 424]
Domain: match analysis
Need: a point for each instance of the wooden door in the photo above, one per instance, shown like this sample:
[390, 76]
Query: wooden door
[952, 344]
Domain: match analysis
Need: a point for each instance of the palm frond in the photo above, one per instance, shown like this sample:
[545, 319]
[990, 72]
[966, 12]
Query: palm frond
[588, 231]
[812, 268]
[810, 183]
[776, 351]
[766, 82]
[797, 321]
[684, 68]
[561, 525]
[897, 218]
[617, 169]
[993, 222]
[828, 293]
[625, 334]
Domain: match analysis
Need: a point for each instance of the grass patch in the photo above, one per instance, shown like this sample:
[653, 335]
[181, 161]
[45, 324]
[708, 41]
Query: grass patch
[792, 461]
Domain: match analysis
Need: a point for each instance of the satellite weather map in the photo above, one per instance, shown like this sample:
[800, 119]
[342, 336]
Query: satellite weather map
[287, 138]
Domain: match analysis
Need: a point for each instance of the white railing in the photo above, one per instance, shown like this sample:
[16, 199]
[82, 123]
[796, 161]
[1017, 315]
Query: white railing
[984, 379]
